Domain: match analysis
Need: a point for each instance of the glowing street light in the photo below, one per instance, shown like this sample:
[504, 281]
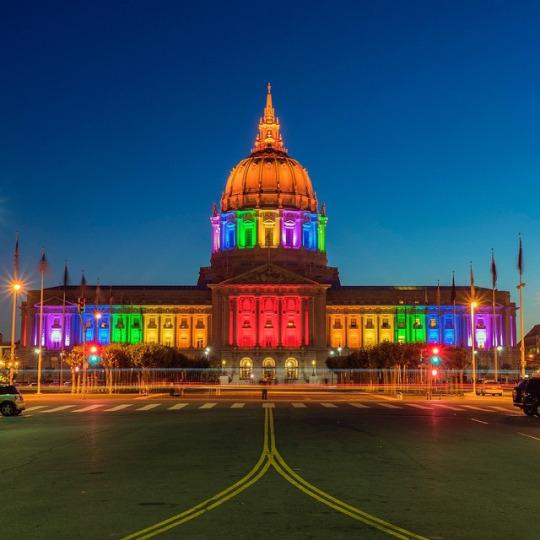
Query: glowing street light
[473, 352]
[15, 286]
[313, 364]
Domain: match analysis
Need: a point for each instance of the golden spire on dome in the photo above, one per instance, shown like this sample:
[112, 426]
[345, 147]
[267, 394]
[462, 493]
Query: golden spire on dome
[269, 137]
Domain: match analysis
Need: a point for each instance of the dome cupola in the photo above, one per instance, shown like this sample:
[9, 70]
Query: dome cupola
[269, 177]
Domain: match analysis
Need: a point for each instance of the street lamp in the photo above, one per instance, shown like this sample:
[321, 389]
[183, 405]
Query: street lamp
[313, 364]
[339, 349]
[473, 352]
[16, 286]
[223, 363]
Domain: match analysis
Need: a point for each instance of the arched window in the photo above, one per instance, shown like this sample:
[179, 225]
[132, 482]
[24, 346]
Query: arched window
[246, 368]
[269, 368]
[291, 369]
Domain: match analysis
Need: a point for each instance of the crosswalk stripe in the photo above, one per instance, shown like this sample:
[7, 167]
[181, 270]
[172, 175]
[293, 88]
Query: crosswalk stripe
[237, 405]
[207, 405]
[328, 405]
[388, 406]
[473, 407]
[89, 408]
[268, 405]
[35, 408]
[299, 405]
[417, 406]
[447, 407]
[148, 407]
[57, 409]
[178, 406]
[359, 405]
[119, 407]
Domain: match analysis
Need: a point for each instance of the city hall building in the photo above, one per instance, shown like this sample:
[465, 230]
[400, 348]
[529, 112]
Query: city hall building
[268, 299]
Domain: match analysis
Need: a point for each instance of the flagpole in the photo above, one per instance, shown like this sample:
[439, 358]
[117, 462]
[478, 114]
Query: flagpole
[521, 314]
[454, 306]
[65, 280]
[40, 346]
[473, 351]
[494, 340]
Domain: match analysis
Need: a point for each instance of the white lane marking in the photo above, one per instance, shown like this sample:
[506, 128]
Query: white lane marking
[476, 408]
[207, 405]
[148, 407]
[447, 407]
[528, 436]
[503, 409]
[479, 421]
[359, 405]
[328, 405]
[178, 406]
[89, 408]
[388, 406]
[119, 407]
[417, 406]
[268, 405]
[57, 409]
[237, 405]
[35, 408]
[299, 405]
[150, 396]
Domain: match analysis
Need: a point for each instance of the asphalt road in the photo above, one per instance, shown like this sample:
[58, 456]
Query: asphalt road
[107, 468]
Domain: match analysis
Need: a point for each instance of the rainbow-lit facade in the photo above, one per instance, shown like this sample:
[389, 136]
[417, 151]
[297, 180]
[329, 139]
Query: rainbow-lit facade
[269, 299]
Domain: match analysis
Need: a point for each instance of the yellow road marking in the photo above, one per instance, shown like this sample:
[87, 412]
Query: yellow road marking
[309, 489]
[270, 457]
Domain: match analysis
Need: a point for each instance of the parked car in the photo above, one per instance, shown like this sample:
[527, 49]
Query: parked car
[526, 396]
[11, 401]
[489, 387]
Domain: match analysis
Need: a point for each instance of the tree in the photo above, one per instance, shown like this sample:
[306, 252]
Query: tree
[74, 359]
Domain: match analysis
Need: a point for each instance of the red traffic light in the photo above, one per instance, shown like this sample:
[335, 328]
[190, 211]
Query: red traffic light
[435, 351]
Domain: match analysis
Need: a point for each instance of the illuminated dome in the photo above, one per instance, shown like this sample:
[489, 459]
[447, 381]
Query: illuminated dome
[269, 177]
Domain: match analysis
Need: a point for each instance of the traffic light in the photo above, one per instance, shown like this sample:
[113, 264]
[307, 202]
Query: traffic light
[434, 372]
[434, 353]
[94, 354]
[81, 304]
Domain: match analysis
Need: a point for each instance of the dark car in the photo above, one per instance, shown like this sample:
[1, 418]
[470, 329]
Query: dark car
[526, 396]
[11, 401]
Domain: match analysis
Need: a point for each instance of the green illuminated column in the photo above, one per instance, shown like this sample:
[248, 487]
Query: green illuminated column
[246, 227]
[321, 236]
[135, 328]
[416, 324]
[401, 324]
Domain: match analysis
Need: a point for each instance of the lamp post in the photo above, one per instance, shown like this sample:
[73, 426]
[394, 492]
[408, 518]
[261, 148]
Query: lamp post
[15, 287]
[313, 364]
[223, 364]
[473, 352]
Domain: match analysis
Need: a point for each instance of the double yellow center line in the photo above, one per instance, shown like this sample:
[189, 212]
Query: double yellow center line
[270, 457]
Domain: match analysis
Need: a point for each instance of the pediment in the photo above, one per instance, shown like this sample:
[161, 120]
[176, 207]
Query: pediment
[269, 274]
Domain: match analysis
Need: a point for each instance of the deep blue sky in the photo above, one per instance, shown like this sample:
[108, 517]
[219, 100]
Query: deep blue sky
[417, 121]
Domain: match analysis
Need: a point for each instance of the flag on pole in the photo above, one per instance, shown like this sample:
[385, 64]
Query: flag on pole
[83, 285]
[16, 265]
[43, 264]
[472, 283]
[65, 280]
[493, 271]
[520, 258]
[453, 293]
[438, 294]
[111, 298]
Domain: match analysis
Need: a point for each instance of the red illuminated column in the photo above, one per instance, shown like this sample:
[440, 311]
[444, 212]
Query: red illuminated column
[257, 319]
[279, 301]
